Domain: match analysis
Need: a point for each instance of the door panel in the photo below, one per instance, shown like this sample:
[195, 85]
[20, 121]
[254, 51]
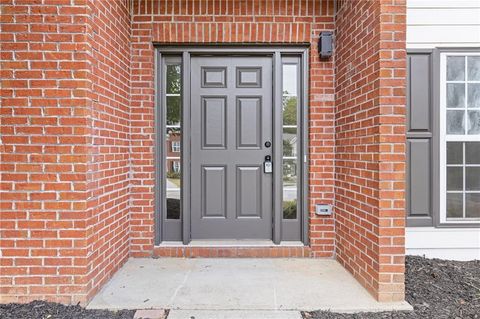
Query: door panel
[231, 119]
[213, 191]
[249, 122]
[213, 122]
[249, 191]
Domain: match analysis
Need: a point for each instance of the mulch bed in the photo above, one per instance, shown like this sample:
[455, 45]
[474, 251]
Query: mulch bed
[50, 310]
[436, 289]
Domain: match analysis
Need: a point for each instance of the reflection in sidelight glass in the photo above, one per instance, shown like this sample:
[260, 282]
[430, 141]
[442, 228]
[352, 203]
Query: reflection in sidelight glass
[290, 181]
[289, 106]
[173, 82]
[290, 142]
[173, 139]
[290, 79]
[290, 139]
[173, 110]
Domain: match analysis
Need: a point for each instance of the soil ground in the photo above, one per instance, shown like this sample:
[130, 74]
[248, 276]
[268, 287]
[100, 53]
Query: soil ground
[437, 289]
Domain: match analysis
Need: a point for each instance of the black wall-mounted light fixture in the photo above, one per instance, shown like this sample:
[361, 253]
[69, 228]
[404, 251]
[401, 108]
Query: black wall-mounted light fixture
[325, 44]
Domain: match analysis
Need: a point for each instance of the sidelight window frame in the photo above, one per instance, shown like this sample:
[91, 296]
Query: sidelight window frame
[167, 231]
[291, 226]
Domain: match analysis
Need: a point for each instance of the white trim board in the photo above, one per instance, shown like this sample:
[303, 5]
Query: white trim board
[444, 243]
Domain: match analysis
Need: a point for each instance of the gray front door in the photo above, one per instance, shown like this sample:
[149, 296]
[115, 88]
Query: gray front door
[231, 128]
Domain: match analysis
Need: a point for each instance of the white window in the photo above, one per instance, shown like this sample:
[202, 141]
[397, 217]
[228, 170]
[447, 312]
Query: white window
[176, 146]
[460, 137]
[176, 166]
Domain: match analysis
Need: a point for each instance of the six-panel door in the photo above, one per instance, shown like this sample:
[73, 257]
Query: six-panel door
[231, 121]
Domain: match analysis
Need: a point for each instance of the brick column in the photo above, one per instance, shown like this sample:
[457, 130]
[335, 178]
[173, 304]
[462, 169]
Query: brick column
[44, 146]
[370, 143]
[64, 147]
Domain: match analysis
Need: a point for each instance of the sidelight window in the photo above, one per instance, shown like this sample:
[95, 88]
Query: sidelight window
[173, 136]
[291, 146]
[460, 137]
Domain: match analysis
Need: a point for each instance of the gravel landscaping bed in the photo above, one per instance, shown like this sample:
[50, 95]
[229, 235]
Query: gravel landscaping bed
[436, 289]
[50, 310]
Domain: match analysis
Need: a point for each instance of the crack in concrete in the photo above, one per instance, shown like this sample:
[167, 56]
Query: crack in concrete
[185, 278]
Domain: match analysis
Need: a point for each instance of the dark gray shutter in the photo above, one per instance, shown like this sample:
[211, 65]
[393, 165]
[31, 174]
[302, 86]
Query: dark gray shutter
[420, 139]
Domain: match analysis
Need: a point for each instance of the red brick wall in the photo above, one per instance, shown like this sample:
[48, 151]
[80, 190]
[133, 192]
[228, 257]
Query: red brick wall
[77, 125]
[109, 161]
[370, 144]
[44, 140]
[64, 147]
[259, 21]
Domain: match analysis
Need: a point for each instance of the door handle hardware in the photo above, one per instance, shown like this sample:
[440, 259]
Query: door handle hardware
[267, 165]
[268, 144]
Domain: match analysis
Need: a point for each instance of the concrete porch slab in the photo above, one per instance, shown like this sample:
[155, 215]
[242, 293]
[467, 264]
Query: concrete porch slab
[234, 314]
[237, 284]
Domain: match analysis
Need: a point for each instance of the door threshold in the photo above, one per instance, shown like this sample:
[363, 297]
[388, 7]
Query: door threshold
[232, 248]
[231, 243]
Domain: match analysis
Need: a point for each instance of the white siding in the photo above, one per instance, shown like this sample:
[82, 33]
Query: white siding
[430, 24]
[442, 3]
[443, 23]
[444, 243]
